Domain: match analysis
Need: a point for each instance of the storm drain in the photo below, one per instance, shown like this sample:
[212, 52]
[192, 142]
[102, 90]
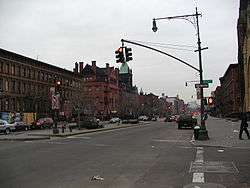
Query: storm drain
[213, 167]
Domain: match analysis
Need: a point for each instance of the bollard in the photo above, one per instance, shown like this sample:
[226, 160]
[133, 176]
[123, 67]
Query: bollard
[70, 129]
[196, 132]
[63, 128]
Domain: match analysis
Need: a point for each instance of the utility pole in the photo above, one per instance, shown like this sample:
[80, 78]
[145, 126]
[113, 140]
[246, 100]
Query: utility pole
[203, 135]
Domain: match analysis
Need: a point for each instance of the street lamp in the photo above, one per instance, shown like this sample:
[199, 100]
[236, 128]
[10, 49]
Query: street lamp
[194, 20]
[154, 28]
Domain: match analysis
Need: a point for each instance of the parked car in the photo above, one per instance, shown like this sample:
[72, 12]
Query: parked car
[186, 121]
[43, 123]
[130, 121]
[90, 123]
[6, 127]
[154, 119]
[143, 118]
[168, 119]
[172, 118]
[20, 126]
[115, 120]
[176, 118]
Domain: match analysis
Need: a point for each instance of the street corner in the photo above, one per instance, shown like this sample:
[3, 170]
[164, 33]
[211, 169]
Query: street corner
[28, 138]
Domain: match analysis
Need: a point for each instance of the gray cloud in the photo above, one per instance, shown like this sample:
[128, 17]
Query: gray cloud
[63, 31]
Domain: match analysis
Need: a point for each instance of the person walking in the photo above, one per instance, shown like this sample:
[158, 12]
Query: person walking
[243, 126]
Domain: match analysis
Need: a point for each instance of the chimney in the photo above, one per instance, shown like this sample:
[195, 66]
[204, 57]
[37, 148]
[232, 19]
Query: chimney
[81, 66]
[94, 66]
[108, 68]
[76, 67]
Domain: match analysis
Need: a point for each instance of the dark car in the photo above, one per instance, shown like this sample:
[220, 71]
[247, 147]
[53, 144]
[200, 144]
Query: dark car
[90, 123]
[168, 119]
[43, 123]
[186, 121]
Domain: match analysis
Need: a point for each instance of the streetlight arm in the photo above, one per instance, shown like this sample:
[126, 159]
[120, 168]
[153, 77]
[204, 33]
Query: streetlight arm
[148, 47]
[174, 17]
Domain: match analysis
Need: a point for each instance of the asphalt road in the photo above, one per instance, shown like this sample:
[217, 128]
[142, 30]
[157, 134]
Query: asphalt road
[153, 155]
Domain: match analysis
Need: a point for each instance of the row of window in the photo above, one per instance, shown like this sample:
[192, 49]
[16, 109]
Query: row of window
[29, 88]
[27, 72]
[19, 105]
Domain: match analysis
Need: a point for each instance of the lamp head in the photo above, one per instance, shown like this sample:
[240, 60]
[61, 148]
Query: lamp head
[154, 28]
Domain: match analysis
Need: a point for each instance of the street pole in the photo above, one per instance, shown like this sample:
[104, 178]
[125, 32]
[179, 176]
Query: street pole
[203, 134]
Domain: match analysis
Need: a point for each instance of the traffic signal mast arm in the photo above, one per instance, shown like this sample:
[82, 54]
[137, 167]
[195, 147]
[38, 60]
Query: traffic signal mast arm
[148, 47]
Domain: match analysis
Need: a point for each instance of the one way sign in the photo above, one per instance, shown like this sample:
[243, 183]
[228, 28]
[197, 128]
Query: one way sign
[204, 85]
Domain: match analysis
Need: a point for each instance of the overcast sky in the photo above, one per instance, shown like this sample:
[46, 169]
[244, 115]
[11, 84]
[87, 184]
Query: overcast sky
[62, 32]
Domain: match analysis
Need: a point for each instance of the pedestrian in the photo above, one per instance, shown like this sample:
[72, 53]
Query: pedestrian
[243, 126]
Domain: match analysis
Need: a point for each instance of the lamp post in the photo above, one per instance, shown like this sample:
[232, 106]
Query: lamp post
[194, 20]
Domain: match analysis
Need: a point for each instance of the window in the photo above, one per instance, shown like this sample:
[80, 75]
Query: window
[1, 66]
[12, 69]
[6, 85]
[18, 71]
[7, 68]
[24, 72]
[1, 84]
[13, 85]
[18, 87]
[28, 73]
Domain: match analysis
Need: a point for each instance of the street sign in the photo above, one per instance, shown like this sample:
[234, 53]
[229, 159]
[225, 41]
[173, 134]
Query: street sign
[201, 85]
[207, 81]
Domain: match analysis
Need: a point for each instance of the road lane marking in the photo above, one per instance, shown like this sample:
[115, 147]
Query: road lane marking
[198, 177]
[159, 140]
[79, 137]
[199, 155]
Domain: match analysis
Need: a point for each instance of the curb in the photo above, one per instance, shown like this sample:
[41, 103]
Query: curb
[87, 131]
[25, 139]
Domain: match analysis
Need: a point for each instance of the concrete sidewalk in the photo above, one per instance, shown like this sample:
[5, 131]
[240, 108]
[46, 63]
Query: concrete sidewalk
[48, 133]
[223, 133]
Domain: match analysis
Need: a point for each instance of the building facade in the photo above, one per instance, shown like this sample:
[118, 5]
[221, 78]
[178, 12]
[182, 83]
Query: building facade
[243, 28]
[227, 96]
[101, 90]
[25, 85]
[177, 105]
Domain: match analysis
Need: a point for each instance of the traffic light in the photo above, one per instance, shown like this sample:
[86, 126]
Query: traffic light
[128, 54]
[210, 101]
[58, 86]
[205, 101]
[119, 55]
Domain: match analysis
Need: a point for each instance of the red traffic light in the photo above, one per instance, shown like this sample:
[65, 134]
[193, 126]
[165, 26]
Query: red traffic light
[210, 101]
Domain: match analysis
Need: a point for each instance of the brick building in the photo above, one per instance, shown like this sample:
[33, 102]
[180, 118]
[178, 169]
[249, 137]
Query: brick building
[218, 103]
[227, 96]
[149, 104]
[129, 101]
[243, 28]
[101, 90]
[177, 105]
[25, 84]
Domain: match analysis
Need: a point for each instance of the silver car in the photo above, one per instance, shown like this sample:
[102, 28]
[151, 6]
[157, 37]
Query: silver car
[6, 127]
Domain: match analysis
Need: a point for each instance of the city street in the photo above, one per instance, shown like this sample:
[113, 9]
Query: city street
[150, 155]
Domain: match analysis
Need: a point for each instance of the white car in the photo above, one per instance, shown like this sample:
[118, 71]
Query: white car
[143, 118]
[115, 120]
[6, 127]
